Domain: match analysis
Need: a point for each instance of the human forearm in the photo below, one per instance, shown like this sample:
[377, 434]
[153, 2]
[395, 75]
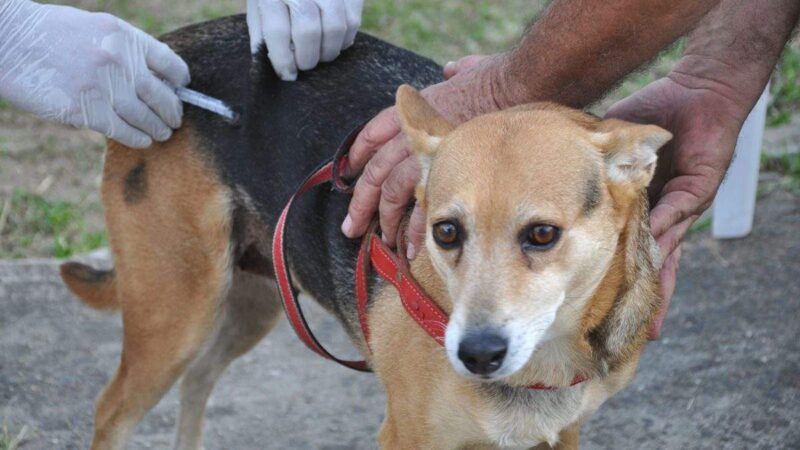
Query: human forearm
[734, 50]
[577, 50]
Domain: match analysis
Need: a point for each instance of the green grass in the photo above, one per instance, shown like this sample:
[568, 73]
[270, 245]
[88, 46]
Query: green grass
[785, 88]
[701, 225]
[28, 219]
[788, 166]
[446, 30]
[12, 440]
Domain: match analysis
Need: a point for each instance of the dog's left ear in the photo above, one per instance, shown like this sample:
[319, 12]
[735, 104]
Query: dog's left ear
[630, 150]
[423, 125]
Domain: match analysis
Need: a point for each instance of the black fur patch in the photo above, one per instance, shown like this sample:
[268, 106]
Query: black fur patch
[253, 261]
[592, 193]
[135, 186]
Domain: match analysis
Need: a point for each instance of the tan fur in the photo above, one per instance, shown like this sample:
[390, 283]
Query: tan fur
[187, 311]
[171, 248]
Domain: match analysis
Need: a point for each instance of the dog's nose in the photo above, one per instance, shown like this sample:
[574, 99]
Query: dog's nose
[482, 353]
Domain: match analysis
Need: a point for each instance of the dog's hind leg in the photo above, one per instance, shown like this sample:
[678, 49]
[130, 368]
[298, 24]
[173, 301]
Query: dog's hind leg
[169, 222]
[251, 310]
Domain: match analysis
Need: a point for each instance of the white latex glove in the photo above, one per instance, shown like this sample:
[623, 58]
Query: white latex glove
[318, 29]
[89, 70]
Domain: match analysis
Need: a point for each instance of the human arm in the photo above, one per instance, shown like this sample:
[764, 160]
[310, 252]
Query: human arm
[301, 33]
[703, 101]
[89, 70]
[573, 53]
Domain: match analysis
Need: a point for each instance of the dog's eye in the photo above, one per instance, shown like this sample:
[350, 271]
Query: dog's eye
[540, 237]
[446, 234]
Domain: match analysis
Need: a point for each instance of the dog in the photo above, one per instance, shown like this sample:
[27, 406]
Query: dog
[537, 247]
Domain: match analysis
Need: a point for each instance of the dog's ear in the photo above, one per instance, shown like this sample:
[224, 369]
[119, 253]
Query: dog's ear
[423, 125]
[630, 150]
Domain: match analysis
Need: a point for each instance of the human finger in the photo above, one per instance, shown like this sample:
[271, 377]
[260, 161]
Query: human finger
[276, 29]
[396, 193]
[165, 63]
[668, 276]
[415, 231]
[377, 132]
[353, 10]
[160, 98]
[306, 33]
[367, 192]
[136, 114]
[333, 18]
[452, 68]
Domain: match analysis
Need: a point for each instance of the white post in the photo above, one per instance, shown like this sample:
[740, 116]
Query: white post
[734, 205]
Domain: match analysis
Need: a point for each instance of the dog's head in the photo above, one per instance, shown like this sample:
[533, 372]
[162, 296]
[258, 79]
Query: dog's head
[527, 210]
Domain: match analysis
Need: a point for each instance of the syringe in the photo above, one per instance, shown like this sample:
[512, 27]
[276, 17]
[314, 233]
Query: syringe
[208, 103]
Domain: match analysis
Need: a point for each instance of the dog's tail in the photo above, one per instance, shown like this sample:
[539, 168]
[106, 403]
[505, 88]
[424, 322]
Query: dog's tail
[95, 288]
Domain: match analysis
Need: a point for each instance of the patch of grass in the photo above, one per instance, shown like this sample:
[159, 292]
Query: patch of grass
[785, 88]
[449, 29]
[151, 23]
[29, 219]
[701, 225]
[788, 166]
[12, 440]
[785, 164]
[217, 10]
[4, 104]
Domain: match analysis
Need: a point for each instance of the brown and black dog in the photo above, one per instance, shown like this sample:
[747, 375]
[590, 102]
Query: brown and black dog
[537, 247]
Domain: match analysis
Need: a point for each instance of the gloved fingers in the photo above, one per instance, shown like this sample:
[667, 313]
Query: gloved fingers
[126, 134]
[306, 32]
[353, 12]
[136, 114]
[161, 99]
[274, 16]
[164, 62]
[254, 25]
[334, 28]
[100, 116]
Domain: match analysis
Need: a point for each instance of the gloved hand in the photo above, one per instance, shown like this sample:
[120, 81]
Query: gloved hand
[318, 29]
[89, 70]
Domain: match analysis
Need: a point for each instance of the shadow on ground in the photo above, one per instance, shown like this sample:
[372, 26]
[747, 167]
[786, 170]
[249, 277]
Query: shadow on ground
[726, 373]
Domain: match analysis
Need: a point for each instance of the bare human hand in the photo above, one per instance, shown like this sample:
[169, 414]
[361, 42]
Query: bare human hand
[390, 174]
[703, 102]
[705, 125]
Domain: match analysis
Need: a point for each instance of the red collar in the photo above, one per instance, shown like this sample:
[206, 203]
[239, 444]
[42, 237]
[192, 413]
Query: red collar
[373, 253]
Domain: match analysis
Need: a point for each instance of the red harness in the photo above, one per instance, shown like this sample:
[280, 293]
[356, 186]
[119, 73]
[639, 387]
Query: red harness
[373, 253]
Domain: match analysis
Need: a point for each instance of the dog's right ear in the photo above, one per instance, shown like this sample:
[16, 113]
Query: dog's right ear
[423, 125]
